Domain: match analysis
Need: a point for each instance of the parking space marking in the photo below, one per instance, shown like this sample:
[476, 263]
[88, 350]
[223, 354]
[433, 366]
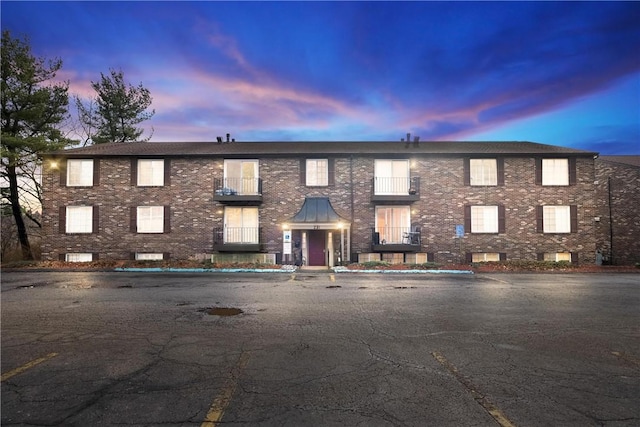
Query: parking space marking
[626, 357]
[26, 366]
[222, 400]
[477, 396]
[332, 277]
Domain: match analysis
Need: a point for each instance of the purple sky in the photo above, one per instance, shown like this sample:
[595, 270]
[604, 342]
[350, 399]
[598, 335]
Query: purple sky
[561, 73]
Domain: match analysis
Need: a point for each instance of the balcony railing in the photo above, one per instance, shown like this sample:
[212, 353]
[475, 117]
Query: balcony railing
[237, 239]
[396, 239]
[390, 189]
[238, 190]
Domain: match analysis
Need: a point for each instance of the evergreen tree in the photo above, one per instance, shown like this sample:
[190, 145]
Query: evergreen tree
[33, 110]
[113, 115]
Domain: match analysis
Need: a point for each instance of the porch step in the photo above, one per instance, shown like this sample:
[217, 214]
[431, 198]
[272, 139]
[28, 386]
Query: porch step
[314, 268]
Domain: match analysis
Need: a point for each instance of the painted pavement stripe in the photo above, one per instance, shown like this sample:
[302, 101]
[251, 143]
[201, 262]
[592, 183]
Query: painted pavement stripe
[222, 400]
[626, 357]
[26, 366]
[477, 396]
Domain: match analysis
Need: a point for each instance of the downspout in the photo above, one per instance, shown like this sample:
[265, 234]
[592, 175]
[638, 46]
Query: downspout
[348, 255]
[610, 223]
[351, 186]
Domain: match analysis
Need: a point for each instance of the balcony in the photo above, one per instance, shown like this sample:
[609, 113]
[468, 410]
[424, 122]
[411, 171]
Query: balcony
[395, 190]
[237, 239]
[396, 239]
[238, 191]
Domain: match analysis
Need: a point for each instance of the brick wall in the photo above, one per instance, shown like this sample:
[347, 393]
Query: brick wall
[190, 196]
[443, 195]
[619, 222]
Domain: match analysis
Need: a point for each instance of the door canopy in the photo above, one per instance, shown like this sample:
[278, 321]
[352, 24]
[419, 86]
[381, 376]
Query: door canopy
[317, 211]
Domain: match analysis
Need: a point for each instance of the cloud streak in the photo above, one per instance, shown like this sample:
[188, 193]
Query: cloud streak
[443, 70]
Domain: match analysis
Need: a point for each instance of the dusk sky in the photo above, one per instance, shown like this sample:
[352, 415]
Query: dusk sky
[561, 73]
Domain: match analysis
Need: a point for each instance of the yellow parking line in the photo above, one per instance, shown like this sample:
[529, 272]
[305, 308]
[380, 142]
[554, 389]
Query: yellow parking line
[332, 277]
[26, 366]
[477, 396]
[222, 400]
[626, 357]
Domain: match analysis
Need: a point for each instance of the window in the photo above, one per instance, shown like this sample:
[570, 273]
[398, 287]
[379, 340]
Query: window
[557, 256]
[241, 176]
[392, 222]
[485, 257]
[149, 256]
[483, 172]
[79, 257]
[79, 172]
[150, 219]
[556, 219]
[79, 219]
[555, 171]
[317, 172]
[241, 225]
[391, 177]
[150, 172]
[484, 219]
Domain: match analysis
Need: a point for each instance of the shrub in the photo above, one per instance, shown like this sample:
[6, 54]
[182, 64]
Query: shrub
[375, 264]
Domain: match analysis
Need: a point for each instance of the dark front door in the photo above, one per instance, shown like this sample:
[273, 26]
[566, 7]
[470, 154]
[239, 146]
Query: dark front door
[317, 245]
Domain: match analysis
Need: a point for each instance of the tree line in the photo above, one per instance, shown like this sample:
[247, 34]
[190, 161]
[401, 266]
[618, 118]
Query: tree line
[36, 119]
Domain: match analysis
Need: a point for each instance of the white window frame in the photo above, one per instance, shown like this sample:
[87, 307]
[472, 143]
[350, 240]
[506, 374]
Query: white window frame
[392, 222]
[79, 172]
[150, 219]
[483, 172]
[242, 175]
[78, 257]
[241, 224]
[392, 177]
[484, 219]
[317, 172]
[485, 257]
[555, 172]
[558, 256]
[150, 173]
[556, 219]
[146, 256]
[79, 220]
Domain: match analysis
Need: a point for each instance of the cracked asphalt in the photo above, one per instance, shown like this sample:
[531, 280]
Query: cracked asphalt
[101, 349]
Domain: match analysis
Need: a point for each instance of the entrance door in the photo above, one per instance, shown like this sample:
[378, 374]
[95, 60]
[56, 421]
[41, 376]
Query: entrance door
[317, 245]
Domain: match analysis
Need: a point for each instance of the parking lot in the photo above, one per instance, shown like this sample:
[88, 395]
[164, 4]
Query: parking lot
[278, 349]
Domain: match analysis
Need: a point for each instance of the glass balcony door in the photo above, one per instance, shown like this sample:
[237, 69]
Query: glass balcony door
[241, 176]
[391, 177]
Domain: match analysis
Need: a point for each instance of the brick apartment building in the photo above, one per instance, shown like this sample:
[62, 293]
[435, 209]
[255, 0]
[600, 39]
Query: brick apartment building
[338, 202]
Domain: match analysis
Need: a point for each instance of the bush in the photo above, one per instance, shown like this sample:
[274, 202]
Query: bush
[424, 266]
[374, 264]
[526, 265]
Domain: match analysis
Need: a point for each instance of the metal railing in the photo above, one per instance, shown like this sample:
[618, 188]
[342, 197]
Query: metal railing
[237, 186]
[397, 236]
[237, 235]
[393, 186]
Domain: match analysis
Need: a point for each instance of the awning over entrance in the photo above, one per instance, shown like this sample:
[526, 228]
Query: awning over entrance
[317, 210]
[318, 223]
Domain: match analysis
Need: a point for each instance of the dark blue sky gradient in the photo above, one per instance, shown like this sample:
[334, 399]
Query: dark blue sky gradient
[562, 73]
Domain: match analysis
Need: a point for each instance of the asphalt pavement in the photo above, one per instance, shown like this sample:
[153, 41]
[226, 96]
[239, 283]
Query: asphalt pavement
[320, 349]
